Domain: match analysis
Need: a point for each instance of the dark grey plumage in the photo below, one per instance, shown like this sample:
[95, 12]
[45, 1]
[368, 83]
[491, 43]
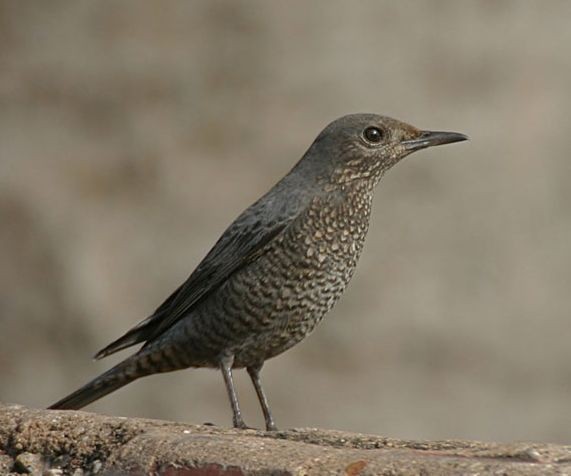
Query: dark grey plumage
[278, 268]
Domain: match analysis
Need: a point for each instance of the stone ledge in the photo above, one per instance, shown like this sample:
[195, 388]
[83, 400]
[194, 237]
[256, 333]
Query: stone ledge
[79, 443]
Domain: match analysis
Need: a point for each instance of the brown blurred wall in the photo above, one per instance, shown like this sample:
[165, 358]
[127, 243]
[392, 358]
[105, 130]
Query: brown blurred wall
[133, 132]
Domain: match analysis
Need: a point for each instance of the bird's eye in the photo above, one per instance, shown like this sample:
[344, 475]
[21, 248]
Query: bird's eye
[373, 135]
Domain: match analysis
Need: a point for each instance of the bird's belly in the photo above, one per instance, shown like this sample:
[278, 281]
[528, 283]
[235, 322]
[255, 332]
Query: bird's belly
[271, 304]
[280, 300]
[285, 325]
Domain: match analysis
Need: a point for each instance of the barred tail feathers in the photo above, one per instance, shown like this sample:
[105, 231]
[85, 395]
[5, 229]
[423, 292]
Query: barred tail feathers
[120, 375]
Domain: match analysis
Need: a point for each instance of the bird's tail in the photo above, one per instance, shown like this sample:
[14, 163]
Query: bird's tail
[116, 377]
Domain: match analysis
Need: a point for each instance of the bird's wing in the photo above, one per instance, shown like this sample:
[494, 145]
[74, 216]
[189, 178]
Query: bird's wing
[242, 243]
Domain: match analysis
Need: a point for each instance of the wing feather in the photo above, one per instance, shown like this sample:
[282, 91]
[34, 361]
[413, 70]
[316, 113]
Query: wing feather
[243, 242]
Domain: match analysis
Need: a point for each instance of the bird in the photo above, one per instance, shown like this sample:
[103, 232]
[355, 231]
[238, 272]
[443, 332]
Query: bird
[276, 271]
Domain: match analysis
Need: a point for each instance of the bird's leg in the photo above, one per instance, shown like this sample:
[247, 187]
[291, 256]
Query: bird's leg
[226, 368]
[254, 372]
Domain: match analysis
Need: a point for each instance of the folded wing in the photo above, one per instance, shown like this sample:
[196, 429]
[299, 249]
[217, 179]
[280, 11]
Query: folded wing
[243, 242]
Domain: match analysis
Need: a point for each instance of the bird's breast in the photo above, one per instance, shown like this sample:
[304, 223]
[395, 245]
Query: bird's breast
[303, 273]
[275, 301]
[310, 264]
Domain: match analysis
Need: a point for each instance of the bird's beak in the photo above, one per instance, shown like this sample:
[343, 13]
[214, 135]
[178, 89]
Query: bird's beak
[430, 138]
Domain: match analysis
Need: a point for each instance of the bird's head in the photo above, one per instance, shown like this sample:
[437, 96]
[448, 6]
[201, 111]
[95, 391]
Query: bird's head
[361, 147]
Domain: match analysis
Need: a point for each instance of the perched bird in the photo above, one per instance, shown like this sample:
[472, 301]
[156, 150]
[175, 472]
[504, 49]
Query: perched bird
[277, 269]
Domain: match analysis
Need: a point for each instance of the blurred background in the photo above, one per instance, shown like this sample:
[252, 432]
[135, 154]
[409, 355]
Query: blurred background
[133, 132]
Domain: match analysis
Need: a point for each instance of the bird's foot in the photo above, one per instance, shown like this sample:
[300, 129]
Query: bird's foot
[271, 426]
[239, 424]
